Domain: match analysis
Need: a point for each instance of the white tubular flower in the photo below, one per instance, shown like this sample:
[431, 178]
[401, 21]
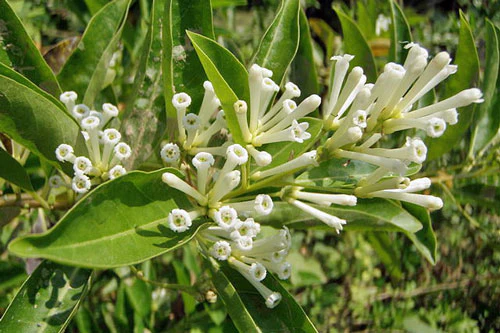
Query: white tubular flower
[463, 98]
[56, 181]
[336, 80]
[391, 183]
[243, 243]
[221, 250]
[282, 269]
[110, 138]
[296, 132]
[226, 217]
[80, 183]
[433, 126]
[257, 271]
[247, 228]
[427, 201]
[270, 119]
[269, 245]
[355, 81]
[359, 118]
[268, 90]
[68, 98]
[181, 101]
[303, 161]
[255, 78]
[191, 124]
[82, 165]
[391, 164]
[261, 158]
[382, 24]
[202, 162]
[325, 199]
[343, 137]
[417, 185]
[329, 220]
[170, 153]
[291, 91]
[109, 111]
[116, 172]
[80, 111]
[204, 136]
[179, 220]
[415, 52]
[241, 110]
[177, 183]
[224, 185]
[307, 106]
[122, 151]
[65, 153]
[254, 272]
[263, 204]
[91, 125]
[235, 155]
[362, 100]
[209, 105]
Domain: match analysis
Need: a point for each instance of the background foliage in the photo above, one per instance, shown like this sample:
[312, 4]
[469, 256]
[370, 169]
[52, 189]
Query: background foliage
[359, 281]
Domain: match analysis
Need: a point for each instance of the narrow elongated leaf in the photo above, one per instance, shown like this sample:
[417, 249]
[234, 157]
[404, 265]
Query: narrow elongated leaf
[467, 76]
[355, 44]
[367, 215]
[85, 70]
[400, 33]
[47, 300]
[387, 252]
[281, 40]
[303, 70]
[228, 76]
[122, 222]
[144, 121]
[424, 239]
[13, 172]
[34, 121]
[20, 52]
[488, 118]
[247, 308]
[182, 69]
[228, 3]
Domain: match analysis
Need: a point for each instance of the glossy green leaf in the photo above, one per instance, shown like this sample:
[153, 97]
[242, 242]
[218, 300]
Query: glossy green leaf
[355, 44]
[366, 17]
[228, 3]
[247, 308]
[282, 152]
[34, 121]
[303, 69]
[281, 40]
[425, 239]
[228, 76]
[466, 77]
[400, 34]
[20, 52]
[12, 74]
[367, 215]
[144, 123]
[13, 172]
[47, 300]
[182, 69]
[86, 68]
[488, 118]
[122, 222]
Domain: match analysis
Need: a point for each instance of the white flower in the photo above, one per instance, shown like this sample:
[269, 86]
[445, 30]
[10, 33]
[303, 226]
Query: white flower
[69, 99]
[263, 204]
[261, 158]
[80, 111]
[326, 199]
[302, 161]
[273, 299]
[82, 165]
[80, 183]
[226, 217]
[203, 160]
[179, 220]
[224, 184]
[177, 183]
[116, 171]
[90, 123]
[284, 271]
[110, 110]
[170, 153]
[221, 250]
[435, 127]
[111, 136]
[359, 118]
[247, 228]
[236, 154]
[181, 101]
[382, 24]
[257, 271]
[122, 151]
[244, 243]
[326, 218]
[64, 153]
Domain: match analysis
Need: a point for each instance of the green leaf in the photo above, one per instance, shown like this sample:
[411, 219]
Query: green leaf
[86, 68]
[7, 214]
[34, 121]
[487, 117]
[303, 69]
[228, 3]
[182, 69]
[282, 152]
[47, 300]
[400, 33]
[20, 52]
[11, 275]
[467, 76]
[12, 74]
[144, 121]
[182, 276]
[228, 76]
[367, 215]
[425, 239]
[306, 271]
[355, 44]
[247, 308]
[281, 40]
[13, 172]
[122, 222]
[387, 252]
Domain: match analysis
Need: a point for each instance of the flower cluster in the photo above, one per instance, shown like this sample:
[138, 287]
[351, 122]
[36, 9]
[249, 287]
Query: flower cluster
[105, 151]
[222, 179]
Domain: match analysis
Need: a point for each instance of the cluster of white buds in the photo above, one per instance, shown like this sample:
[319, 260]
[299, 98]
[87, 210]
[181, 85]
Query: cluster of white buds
[105, 151]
